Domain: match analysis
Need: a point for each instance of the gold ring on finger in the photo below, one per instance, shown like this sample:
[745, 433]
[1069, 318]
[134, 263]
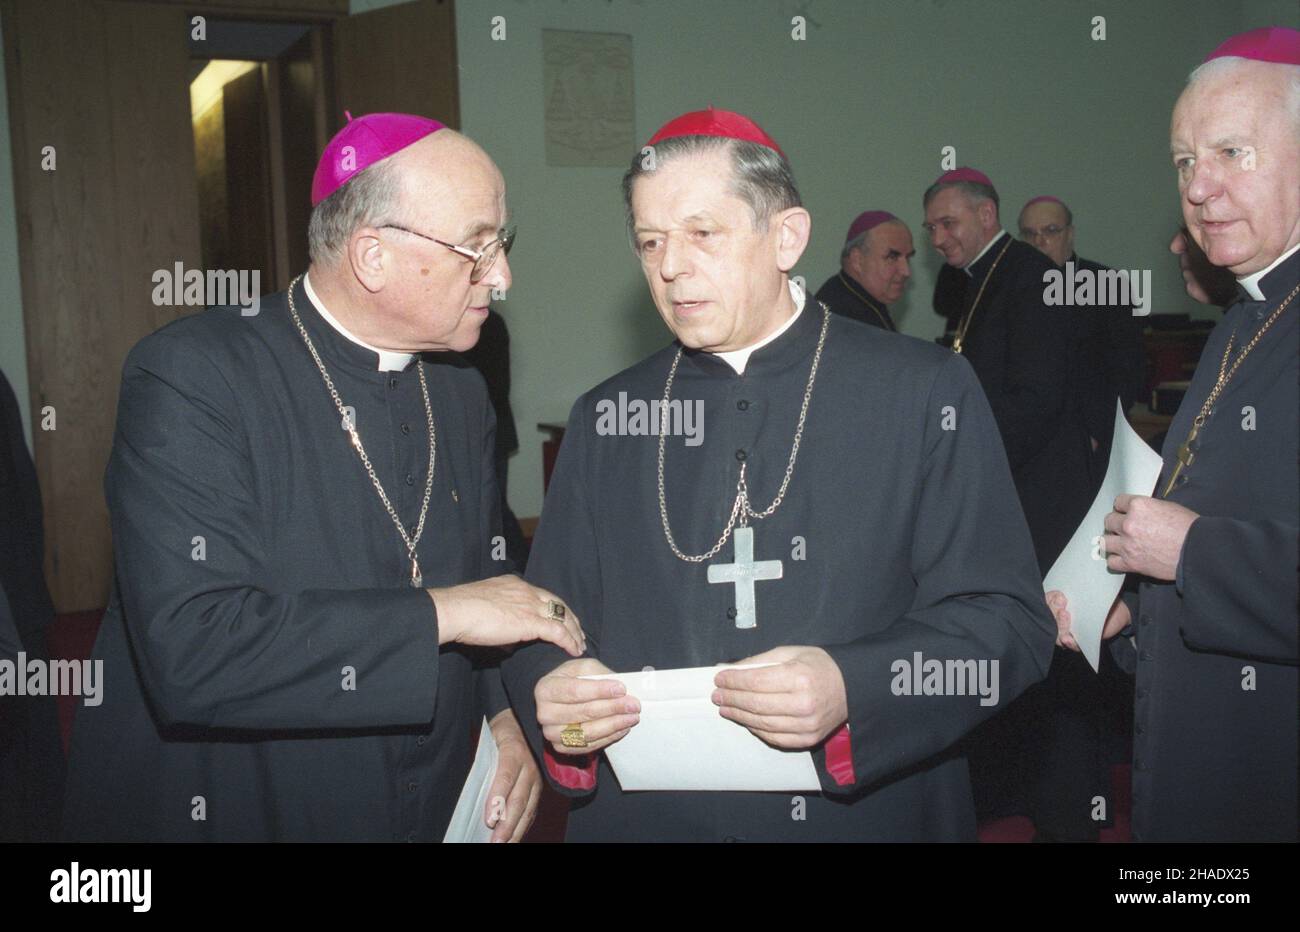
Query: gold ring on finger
[572, 736]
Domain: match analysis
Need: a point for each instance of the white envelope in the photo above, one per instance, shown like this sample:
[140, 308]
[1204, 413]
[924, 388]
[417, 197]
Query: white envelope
[466, 824]
[682, 743]
[1080, 571]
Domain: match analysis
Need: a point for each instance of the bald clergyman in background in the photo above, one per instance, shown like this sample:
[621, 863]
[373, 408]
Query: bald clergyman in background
[875, 266]
[1113, 362]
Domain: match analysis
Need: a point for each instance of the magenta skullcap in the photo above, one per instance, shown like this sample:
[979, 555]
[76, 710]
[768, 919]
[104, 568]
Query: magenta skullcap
[363, 142]
[964, 173]
[1276, 44]
[867, 220]
[1043, 197]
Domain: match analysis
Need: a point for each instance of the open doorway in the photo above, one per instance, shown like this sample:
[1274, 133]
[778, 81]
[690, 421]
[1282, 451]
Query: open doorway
[257, 96]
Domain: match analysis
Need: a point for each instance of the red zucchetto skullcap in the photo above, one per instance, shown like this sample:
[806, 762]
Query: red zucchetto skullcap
[713, 122]
[363, 142]
[1276, 44]
[1041, 198]
[964, 173]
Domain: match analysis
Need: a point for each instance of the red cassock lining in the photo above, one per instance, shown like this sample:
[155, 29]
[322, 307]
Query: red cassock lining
[839, 764]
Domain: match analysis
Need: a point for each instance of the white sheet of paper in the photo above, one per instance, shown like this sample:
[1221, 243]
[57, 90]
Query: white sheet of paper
[1080, 571]
[466, 824]
[682, 743]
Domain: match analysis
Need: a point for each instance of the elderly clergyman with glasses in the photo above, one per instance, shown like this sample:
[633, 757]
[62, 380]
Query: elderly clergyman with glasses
[303, 504]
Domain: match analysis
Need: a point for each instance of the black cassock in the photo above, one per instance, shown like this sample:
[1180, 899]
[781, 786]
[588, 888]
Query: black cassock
[1215, 652]
[1028, 357]
[850, 299]
[1114, 367]
[911, 544]
[225, 675]
[31, 751]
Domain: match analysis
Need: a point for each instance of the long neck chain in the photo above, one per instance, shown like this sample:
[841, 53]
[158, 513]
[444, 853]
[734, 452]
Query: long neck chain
[1185, 452]
[965, 321]
[741, 510]
[884, 319]
[348, 422]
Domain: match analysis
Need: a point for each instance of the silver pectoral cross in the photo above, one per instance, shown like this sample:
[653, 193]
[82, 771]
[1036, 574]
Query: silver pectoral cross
[744, 573]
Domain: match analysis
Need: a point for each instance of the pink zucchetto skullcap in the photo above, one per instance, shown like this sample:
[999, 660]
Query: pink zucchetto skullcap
[713, 122]
[1276, 44]
[363, 142]
[964, 174]
[1041, 198]
[867, 220]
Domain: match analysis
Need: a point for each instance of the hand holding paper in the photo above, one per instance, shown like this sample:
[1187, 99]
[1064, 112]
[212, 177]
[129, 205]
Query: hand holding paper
[793, 698]
[578, 692]
[683, 743]
[1081, 573]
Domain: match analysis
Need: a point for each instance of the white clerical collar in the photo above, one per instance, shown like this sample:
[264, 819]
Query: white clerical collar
[738, 359]
[1251, 282]
[987, 246]
[388, 360]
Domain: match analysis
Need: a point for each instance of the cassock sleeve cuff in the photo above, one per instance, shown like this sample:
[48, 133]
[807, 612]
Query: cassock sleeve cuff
[571, 776]
[839, 757]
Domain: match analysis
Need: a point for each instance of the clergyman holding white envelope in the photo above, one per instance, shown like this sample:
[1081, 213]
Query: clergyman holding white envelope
[782, 487]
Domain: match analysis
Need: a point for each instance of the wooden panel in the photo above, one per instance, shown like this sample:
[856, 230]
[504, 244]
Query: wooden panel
[264, 9]
[402, 58]
[106, 85]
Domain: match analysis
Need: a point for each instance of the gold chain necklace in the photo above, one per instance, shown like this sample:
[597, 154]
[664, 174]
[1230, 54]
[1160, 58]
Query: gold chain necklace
[417, 579]
[884, 321]
[1185, 452]
[965, 321]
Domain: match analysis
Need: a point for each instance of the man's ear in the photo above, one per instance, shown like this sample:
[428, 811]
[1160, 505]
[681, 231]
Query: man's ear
[369, 260]
[795, 226]
[988, 215]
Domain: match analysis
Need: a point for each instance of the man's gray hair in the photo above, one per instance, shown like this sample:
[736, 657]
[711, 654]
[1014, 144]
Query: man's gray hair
[1229, 63]
[973, 190]
[368, 198]
[761, 177]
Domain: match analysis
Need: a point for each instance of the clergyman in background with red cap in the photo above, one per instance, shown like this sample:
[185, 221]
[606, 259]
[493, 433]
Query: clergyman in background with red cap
[875, 265]
[652, 537]
[1209, 611]
[303, 503]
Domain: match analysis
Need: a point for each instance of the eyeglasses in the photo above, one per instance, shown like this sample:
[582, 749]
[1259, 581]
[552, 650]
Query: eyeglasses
[483, 259]
[1050, 231]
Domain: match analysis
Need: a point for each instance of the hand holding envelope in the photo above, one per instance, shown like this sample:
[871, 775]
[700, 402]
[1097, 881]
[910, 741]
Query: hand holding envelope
[577, 693]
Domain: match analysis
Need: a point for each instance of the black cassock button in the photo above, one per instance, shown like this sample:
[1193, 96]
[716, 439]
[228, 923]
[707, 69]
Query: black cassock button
[420, 741]
[410, 836]
[392, 383]
[731, 613]
[740, 455]
[410, 479]
[412, 786]
[742, 404]
[1138, 728]
[406, 428]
